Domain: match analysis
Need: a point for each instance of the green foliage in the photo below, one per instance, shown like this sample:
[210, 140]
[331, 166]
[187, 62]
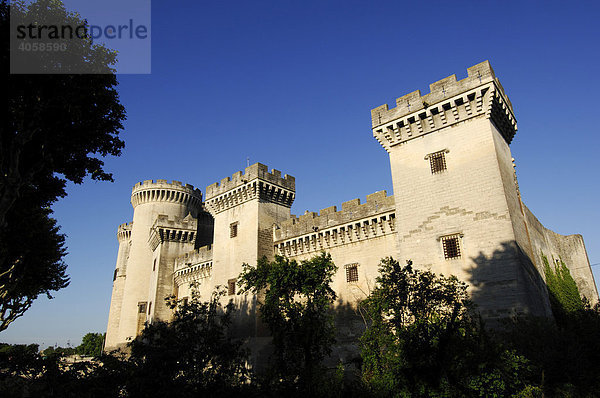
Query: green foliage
[59, 351]
[54, 128]
[52, 124]
[296, 301]
[31, 253]
[190, 355]
[563, 354]
[563, 291]
[423, 340]
[91, 345]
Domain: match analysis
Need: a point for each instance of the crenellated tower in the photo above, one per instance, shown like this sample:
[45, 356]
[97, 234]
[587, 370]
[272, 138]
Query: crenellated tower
[457, 205]
[245, 207]
[114, 315]
[144, 280]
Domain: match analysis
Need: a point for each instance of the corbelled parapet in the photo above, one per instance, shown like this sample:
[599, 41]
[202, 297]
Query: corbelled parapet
[255, 183]
[164, 191]
[193, 266]
[449, 102]
[352, 210]
[124, 231]
[198, 256]
[175, 229]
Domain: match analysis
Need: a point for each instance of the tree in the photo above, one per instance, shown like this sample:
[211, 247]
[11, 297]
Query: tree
[54, 128]
[422, 339]
[91, 345]
[31, 252]
[190, 355]
[296, 308]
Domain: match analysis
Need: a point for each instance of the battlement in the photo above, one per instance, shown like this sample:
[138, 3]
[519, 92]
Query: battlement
[193, 266]
[441, 90]
[164, 191]
[256, 183]
[176, 229]
[352, 210]
[450, 102]
[124, 231]
[164, 221]
[257, 170]
[198, 256]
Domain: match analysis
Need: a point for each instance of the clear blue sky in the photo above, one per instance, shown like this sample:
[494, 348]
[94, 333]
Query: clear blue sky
[291, 84]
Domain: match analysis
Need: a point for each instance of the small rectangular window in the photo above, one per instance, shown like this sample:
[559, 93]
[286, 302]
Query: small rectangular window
[231, 286]
[451, 245]
[437, 161]
[352, 272]
[233, 229]
[142, 307]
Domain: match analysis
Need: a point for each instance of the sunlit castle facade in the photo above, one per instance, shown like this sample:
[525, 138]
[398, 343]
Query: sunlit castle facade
[456, 209]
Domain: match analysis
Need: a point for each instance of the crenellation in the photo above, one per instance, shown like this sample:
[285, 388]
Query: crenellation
[173, 229]
[200, 255]
[453, 177]
[163, 191]
[352, 210]
[440, 91]
[124, 231]
[255, 183]
[252, 172]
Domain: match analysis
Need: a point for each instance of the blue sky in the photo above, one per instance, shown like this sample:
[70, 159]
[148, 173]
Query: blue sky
[291, 84]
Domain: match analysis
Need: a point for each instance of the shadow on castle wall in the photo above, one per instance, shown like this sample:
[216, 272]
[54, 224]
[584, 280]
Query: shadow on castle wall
[507, 283]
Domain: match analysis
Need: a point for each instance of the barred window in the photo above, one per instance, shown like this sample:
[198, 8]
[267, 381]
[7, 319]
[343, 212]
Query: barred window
[437, 161]
[352, 272]
[233, 229]
[451, 246]
[142, 307]
[231, 286]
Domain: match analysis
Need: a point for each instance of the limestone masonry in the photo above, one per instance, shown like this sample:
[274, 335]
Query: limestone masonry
[456, 209]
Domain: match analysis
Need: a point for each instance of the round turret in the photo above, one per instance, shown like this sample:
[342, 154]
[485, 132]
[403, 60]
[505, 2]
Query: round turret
[163, 191]
[124, 232]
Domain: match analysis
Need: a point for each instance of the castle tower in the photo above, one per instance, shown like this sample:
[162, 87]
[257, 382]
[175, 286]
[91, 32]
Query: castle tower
[245, 207]
[114, 315]
[457, 206]
[149, 200]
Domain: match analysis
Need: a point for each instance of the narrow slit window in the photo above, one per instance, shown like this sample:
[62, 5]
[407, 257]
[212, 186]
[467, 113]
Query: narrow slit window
[352, 272]
[437, 161]
[451, 245]
[115, 274]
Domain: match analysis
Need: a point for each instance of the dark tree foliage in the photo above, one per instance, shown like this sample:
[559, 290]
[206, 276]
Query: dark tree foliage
[295, 301]
[54, 128]
[423, 340]
[564, 351]
[91, 345]
[31, 253]
[190, 356]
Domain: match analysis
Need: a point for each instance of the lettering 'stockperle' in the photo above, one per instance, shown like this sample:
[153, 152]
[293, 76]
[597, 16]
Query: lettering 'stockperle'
[456, 210]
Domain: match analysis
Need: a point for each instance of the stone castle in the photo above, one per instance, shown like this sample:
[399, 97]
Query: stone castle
[456, 209]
